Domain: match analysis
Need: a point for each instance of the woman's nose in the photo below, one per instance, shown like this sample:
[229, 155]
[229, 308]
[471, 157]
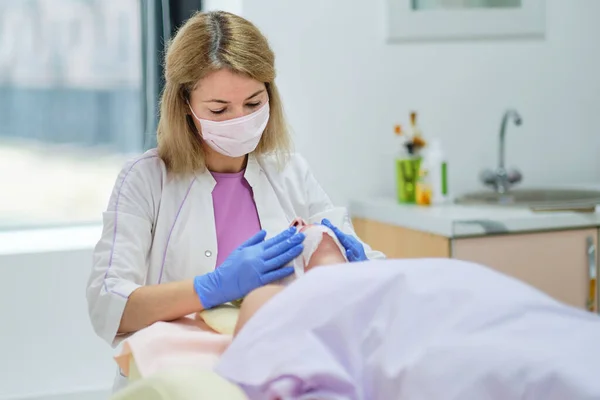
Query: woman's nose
[238, 112]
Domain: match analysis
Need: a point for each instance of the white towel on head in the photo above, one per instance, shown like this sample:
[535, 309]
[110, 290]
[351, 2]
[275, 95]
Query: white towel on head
[314, 237]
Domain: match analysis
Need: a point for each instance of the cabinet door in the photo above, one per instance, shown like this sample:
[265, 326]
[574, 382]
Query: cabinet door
[557, 263]
[398, 242]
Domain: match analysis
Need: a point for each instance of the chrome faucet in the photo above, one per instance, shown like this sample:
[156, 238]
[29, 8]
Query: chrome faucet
[502, 179]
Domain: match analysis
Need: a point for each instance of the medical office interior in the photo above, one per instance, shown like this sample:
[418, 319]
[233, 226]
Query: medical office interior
[506, 91]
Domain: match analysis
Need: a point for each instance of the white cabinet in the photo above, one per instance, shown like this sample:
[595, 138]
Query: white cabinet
[557, 263]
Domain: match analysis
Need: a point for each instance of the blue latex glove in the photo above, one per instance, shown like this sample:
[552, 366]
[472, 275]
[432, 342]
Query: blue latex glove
[254, 264]
[355, 251]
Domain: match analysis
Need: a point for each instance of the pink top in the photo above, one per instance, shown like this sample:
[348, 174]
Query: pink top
[236, 218]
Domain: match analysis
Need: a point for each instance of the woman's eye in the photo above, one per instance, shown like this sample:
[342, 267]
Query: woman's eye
[217, 112]
[253, 105]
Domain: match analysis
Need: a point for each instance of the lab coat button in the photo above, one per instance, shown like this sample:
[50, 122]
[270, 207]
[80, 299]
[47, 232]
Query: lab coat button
[208, 253]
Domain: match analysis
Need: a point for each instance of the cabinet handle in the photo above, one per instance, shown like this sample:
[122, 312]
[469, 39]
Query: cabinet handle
[592, 302]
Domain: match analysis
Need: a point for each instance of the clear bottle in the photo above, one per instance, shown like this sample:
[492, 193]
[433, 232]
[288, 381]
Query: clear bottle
[432, 187]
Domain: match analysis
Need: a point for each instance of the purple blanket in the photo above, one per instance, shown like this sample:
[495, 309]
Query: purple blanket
[415, 329]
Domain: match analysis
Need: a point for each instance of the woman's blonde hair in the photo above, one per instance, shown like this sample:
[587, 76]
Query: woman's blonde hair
[208, 42]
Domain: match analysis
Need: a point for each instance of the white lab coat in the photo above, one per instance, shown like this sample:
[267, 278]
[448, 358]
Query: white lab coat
[160, 228]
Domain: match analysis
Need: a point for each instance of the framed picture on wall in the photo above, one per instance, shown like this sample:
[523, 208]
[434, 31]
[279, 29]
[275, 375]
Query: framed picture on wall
[434, 20]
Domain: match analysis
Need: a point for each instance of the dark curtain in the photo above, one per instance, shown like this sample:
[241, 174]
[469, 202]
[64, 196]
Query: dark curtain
[181, 10]
[160, 20]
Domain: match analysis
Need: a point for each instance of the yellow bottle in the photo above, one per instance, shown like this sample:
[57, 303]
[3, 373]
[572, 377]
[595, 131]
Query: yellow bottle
[424, 188]
[432, 186]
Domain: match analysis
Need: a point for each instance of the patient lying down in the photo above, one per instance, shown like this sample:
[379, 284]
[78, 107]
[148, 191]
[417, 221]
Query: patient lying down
[192, 341]
[321, 248]
[327, 252]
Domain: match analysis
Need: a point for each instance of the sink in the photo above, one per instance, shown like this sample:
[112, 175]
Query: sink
[542, 199]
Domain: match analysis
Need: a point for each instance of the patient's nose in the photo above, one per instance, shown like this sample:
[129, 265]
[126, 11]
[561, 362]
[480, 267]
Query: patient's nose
[298, 222]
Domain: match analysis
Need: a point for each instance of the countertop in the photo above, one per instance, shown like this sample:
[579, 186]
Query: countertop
[454, 221]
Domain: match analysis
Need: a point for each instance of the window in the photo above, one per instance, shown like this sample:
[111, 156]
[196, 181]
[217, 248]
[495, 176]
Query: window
[458, 4]
[72, 106]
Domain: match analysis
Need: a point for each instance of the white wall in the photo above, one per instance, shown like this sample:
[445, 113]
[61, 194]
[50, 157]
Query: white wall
[47, 345]
[232, 6]
[344, 89]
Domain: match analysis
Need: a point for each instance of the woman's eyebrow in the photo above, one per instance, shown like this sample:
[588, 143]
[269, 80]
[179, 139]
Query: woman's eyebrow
[256, 94]
[216, 101]
[227, 102]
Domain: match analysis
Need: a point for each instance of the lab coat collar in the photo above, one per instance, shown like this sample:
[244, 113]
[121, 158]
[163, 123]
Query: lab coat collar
[270, 212]
[253, 171]
[206, 181]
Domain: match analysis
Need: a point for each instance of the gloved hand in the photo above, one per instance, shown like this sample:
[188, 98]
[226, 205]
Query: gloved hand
[355, 251]
[255, 263]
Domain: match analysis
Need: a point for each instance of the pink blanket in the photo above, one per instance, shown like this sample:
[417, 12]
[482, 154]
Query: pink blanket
[187, 342]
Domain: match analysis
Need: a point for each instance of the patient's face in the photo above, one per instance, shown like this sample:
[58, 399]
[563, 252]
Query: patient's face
[328, 252]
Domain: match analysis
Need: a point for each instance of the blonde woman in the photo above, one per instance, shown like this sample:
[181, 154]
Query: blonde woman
[186, 224]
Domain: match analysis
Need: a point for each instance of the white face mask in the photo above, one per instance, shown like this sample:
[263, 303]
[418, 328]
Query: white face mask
[235, 137]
